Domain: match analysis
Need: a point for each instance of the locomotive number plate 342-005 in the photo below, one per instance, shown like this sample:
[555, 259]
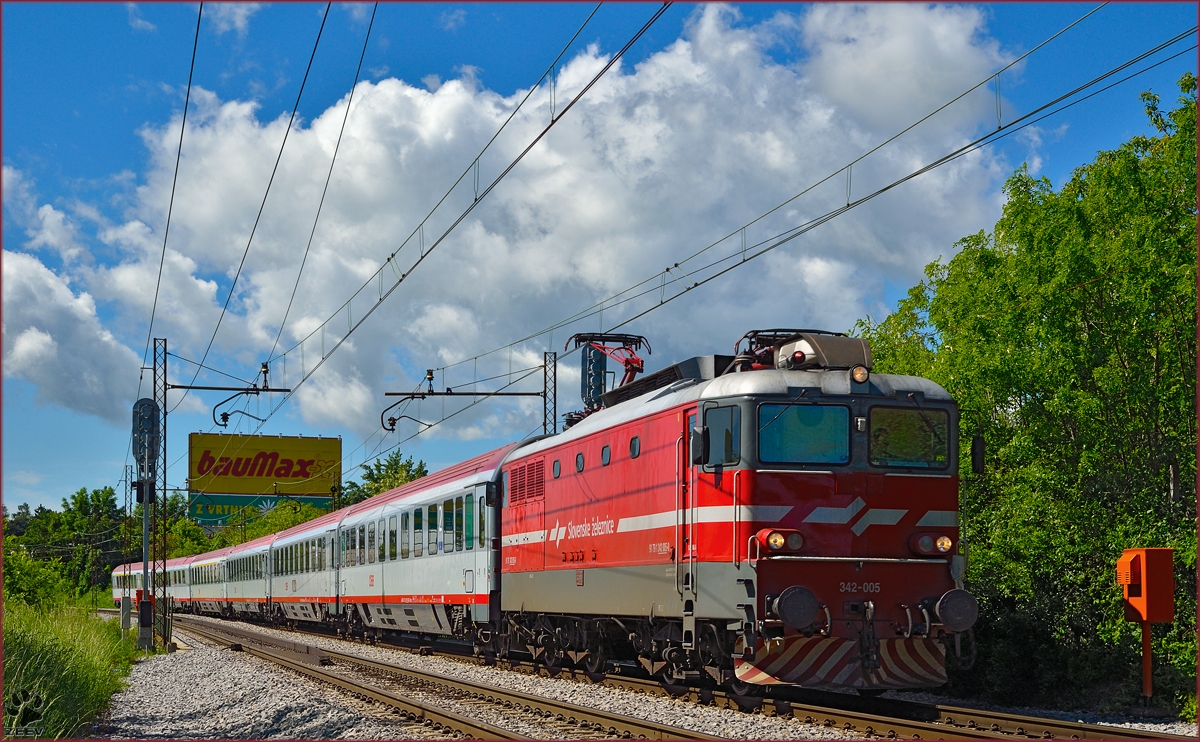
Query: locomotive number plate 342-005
[859, 587]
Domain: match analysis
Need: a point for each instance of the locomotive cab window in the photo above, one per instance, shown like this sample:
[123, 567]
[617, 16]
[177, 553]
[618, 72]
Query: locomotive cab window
[803, 434]
[724, 434]
[909, 437]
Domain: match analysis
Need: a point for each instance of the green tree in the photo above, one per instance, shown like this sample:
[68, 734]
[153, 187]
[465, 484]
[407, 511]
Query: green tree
[383, 475]
[1067, 336]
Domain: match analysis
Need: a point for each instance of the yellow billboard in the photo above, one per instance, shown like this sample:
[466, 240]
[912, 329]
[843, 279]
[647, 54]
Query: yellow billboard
[263, 465]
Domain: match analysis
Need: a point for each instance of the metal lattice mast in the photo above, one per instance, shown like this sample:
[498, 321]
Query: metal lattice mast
[550, 393]
[160, 484]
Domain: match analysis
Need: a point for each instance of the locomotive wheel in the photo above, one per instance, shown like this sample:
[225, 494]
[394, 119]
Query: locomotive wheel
[596, 661]
[742, 688]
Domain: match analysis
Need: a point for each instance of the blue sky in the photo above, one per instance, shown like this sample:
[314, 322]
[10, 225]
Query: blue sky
[713, 117]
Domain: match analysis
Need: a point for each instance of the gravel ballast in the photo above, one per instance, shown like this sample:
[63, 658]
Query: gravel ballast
[212, 693]
[208, 693]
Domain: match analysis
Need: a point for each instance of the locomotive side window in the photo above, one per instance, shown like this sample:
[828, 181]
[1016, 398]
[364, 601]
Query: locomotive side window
[458, 524]
[635, 447]
[392, 539]
[803, 434]
[557, 468]
[418, 532]
[448, 526]
[371, 543]
[433, 530]
[469, 523]
[605, 456]
[382, 541]
[725, 434]
[910, 437]
[579, 462]
[404, 540]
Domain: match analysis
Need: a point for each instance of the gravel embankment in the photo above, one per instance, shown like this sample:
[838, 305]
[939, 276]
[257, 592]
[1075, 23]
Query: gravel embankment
[720, 722]
[207, 693]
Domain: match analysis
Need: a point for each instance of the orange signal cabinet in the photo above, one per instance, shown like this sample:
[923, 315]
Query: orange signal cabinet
[1149, 581]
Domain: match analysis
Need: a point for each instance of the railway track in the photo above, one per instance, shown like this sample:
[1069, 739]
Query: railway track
[566, 719]
[876, 717]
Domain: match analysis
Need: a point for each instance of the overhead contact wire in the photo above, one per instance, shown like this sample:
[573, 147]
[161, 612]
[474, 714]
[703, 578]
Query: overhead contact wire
[328, 176]
[262, 206]
[384, 296]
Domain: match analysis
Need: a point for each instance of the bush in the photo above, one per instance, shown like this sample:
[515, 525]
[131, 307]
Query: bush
[63, 663]
[31, 580]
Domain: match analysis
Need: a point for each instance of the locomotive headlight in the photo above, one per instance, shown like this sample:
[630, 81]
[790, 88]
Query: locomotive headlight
[860, 374]
[925, 543]
[944, 543]
[776, 540]
[795, 541]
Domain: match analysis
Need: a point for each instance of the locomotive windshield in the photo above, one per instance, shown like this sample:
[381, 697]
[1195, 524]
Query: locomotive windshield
[803, 434]
[909, 437]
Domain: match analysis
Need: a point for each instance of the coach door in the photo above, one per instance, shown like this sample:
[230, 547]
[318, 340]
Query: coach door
[685, 547]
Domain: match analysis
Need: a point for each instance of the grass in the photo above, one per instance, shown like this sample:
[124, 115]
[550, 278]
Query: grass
[71, 660]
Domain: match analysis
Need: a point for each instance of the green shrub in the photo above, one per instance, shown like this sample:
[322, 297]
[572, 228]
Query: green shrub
[1187, 708]
[64, 663]
[30, 580]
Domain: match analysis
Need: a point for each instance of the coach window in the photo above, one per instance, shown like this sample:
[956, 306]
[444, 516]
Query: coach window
[404, 539]
[605, 456]
[458, 524]
[469, 523]
[418, 532]
[724, 434]
[433, 530]
[557, 468]
[482, 522]
[382, 541]
[321, 554]
[371, 542]
[312, 555]
[362, 544]
[635, 447]
[448, 525]
[392, 539]
[579, 462]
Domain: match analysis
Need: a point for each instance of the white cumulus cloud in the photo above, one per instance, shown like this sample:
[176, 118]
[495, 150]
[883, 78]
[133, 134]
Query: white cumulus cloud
[654, 163]
[53, 338]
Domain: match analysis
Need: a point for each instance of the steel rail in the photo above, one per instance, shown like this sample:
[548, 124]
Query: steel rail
[584, 716]
[899, 718]
[410, 708]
